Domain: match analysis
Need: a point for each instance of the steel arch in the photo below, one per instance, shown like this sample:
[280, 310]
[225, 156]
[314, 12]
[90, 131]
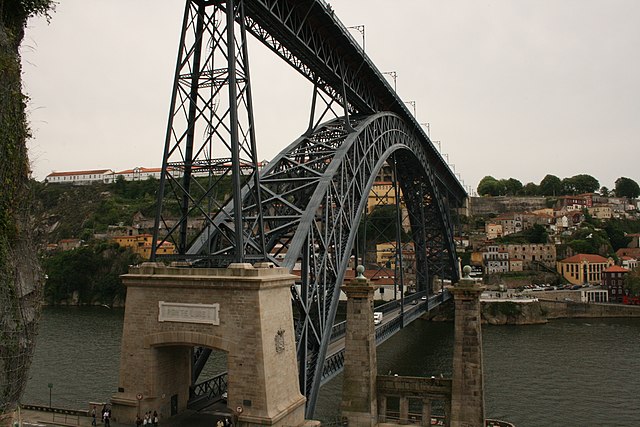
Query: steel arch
[313, 194]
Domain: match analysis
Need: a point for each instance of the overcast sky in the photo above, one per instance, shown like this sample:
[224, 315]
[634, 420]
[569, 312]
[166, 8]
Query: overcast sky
[511, 88]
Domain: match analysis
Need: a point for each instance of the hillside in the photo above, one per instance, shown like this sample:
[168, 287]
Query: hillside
[80, 211]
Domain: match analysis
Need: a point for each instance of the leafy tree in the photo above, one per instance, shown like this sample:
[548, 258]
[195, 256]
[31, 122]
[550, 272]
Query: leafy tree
[530, 189]
[550, 185]
[578, 184]
[616, 235]
[632, 282]
[536, 234]
[512, 186]
[604, 191]
[489, 186]
[588, 240]
[626, 187]
[92, 271]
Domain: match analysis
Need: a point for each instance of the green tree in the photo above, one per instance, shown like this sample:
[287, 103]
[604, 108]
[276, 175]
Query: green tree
[530, 189]
[489, 186]
[579, 184]
[632, 282]
[512, 187]
[626, 187]
[604, 191]
[550, 185]
[536, 234]
[588, 240]
[616, 234]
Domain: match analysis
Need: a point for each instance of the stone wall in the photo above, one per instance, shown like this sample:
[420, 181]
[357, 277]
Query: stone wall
[541, 311]
[562, 309]
[501, 204]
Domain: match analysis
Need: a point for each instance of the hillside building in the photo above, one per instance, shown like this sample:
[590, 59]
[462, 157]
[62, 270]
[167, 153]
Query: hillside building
[583, 269]
[613, 282]
[104, 176]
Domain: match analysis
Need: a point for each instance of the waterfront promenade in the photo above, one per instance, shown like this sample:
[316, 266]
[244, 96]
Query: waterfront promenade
[34, 418]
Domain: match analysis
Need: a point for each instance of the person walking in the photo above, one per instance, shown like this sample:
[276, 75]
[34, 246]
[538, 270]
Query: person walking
[154, 418]
[107, 418]
[93, 416]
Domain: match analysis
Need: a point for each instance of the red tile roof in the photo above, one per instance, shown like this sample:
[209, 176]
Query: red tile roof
[72, 173]
[590, 258]
[615, 269]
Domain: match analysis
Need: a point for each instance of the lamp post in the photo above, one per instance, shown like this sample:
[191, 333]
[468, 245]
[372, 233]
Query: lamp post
[413, 104]
[50, 385]
[394, 76]
[360, 29]
[428, 126]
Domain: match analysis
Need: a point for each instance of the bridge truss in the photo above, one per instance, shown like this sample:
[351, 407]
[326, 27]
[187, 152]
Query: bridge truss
[302, 210]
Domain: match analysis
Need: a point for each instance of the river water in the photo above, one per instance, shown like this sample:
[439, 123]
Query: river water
[577, 372]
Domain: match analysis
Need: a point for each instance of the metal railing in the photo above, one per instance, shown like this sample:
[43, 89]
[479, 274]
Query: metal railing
[209, 390]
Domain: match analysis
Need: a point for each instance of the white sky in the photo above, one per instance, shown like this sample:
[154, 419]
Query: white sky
[511, 88]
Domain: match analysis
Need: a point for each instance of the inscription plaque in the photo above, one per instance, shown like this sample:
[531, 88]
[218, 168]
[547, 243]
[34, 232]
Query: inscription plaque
[188, 313]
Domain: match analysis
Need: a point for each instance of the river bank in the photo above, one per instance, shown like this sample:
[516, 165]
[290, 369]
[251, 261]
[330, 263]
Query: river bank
[538, 311]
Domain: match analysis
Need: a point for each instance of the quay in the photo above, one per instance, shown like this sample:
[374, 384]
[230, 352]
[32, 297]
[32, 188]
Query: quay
[34, 416]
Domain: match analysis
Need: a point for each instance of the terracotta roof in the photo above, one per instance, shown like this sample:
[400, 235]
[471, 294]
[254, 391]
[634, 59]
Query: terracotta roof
[139, 170]
[632, 252]
[591, 258]
[616, 269]
[72, 173]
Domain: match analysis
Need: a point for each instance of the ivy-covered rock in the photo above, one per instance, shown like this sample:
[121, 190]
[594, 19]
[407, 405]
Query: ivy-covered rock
[20, 274]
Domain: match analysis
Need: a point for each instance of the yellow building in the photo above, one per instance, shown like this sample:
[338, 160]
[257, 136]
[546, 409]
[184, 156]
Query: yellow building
[493, 231]
[382, 193]
[584, 268]
[141, 244]
[601, 211]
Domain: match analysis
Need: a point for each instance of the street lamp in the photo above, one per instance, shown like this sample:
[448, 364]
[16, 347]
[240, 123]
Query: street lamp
[394, 76]
[50, 385]
[428, 128]
[413, 104]
[360, 29]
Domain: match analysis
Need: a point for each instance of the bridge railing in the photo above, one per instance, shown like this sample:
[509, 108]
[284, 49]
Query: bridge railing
[211, 389]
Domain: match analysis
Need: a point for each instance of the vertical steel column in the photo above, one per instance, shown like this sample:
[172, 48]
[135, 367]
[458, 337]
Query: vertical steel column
[167, 143]
[399, 266]
[193, 110]
[252, 131]
[233, 128]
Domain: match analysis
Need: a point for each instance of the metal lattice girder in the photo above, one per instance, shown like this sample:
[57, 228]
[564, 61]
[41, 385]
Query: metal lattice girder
[309, 37]
[210, 134]
[313, 195]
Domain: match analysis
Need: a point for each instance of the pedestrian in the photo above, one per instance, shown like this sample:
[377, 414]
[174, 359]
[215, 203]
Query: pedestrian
[107, 418]
[146, 419]
[138, 421]
[155, 419]
[93, 415]
[227, 422]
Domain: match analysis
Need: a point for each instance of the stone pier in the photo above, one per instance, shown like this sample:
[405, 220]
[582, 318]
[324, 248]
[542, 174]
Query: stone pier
[242, 310]
[359, 400]
[467, 389]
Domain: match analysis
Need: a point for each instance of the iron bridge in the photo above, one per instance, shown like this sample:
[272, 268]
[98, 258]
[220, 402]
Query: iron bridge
[307, 209]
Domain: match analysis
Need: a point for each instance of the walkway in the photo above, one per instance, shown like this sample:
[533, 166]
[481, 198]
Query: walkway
[205, 418]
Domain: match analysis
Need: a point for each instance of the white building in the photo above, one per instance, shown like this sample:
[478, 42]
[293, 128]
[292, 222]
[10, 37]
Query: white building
[139, 173]
[81, 177]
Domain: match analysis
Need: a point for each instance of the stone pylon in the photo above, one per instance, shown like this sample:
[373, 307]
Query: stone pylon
[467, 389]
[359, 399]
[242, 310]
